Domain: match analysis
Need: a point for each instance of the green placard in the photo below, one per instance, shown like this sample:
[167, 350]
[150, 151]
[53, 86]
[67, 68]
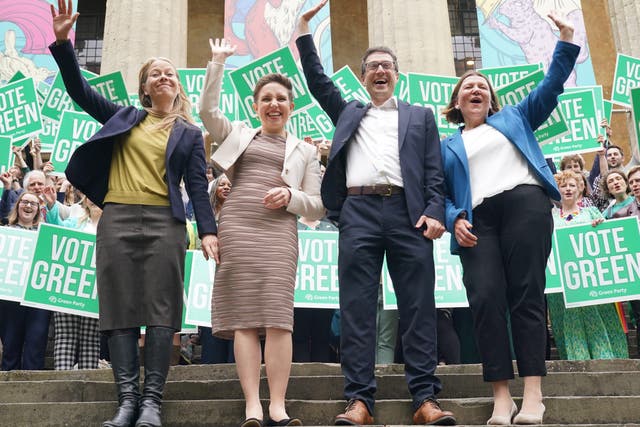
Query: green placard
[112, 87]
[48, 134]
[301, 124]
[317, 274]
[598, 97]
[433, 92]
[279, 61]
[599, 264]
[322, 121]
[135, 100]
[402, 88]
[635, 109]
[552, 128]
[58, 100]
[75, 129]
[553, 283]
[579, 110]
[626, 77]
[350, 86]
[192, 80]
[16, 251]
[607, 108]
[449, 291]
[62, 276]
[6, 156]
[19, 109]
[503, 76]
[186, 327]
[199, 277]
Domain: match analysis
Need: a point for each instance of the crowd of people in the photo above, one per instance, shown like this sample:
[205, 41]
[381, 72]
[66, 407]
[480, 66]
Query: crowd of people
[386, 183]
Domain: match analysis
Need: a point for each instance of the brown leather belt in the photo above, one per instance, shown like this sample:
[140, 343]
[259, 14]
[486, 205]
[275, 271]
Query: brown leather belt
[375, 190]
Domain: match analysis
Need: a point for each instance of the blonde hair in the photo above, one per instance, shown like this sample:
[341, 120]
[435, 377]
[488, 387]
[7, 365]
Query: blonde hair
[181, 104]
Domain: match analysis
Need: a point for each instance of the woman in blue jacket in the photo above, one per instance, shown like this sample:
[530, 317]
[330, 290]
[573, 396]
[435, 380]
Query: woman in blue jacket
[498, 188]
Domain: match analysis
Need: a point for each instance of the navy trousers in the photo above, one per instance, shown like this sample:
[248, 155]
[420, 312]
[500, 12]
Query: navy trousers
[24, 337]
[370, 227]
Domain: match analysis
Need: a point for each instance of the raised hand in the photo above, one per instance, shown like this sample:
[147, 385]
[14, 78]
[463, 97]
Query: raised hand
[221, 49]
[303, 22]
[563, 24]
[63, 21]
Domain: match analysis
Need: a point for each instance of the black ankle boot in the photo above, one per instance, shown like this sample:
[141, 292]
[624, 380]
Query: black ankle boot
[157, 355]
[123, 349]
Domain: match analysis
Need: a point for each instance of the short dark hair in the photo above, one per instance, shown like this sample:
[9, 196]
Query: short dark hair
[617, 147]
[453, 114]
[603, 182]
[281, 79]
[375, 49]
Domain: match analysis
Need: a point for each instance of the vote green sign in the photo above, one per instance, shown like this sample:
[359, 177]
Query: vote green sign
[626, 77]
[302, 125]
[349, 85]
[62, 276]
[279, 61]
[433, 92]
[580, 112]
[449, 291]
[317, 273]
[511, 94]
[552, 273]
[199, 275]
[112, 87]
[502, 76]
[599, 264]
[321, 121]
[19, 109]
[16, 251]
[402, 88]
[635, 109]
[5, 154]
[75, 129]
[58, 100]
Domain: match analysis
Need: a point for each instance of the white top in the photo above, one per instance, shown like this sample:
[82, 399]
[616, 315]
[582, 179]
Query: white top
[495, 164]
[373, 155]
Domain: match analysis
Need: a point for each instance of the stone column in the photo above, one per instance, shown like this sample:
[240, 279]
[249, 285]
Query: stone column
[417, 30]
[136, 30]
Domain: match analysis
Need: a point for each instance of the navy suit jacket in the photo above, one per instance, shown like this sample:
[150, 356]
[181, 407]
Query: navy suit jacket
[418, 143]
[89, 166]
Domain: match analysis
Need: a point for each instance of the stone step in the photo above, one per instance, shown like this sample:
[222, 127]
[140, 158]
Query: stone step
[556, 384]
[228, 371]
[228, 413]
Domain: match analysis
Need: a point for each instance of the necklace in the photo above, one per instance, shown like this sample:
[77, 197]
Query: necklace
[568, 216]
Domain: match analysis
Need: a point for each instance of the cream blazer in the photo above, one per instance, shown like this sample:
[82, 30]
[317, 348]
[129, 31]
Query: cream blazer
[300, 171]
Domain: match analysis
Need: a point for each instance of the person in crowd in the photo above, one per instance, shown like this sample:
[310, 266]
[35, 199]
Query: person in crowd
[500, 218]
[258, 236]
[25, 330]
[582, 333]
[384, 183]
[633, 209]
[214, 349]
[615, 186]
[74, 335]
[132, 168]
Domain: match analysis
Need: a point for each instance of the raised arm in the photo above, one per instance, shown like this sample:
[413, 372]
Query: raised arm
[79, 90]
[213, 119]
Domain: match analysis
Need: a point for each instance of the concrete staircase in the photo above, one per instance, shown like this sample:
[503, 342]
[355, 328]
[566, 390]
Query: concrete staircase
[576, 393]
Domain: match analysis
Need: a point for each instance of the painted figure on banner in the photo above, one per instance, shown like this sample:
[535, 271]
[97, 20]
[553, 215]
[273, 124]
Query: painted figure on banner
[518, 31]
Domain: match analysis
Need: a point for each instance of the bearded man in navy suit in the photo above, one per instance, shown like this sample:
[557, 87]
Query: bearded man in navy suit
[384, 186]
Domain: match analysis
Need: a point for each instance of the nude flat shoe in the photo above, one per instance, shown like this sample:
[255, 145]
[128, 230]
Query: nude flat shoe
[501, 420]
[529, 418]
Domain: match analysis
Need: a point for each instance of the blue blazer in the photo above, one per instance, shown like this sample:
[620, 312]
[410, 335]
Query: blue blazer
[517, 123]
[420, 161]
[89, 166]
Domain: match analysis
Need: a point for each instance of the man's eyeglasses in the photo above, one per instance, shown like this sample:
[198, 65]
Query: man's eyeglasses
[373, 65]
[28, 203]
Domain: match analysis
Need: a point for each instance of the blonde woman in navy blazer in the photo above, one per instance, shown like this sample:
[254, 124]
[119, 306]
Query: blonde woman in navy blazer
[497, 207]
[132, 169]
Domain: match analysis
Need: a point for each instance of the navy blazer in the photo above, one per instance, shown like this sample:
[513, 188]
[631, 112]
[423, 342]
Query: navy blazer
[418, 143]
[89, 166]
[517, 124]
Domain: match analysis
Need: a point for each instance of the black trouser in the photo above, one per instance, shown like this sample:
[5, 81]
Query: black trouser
[504, 272]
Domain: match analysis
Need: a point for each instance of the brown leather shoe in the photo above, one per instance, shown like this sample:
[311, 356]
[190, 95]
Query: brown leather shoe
[355, 414]
[430, 413]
